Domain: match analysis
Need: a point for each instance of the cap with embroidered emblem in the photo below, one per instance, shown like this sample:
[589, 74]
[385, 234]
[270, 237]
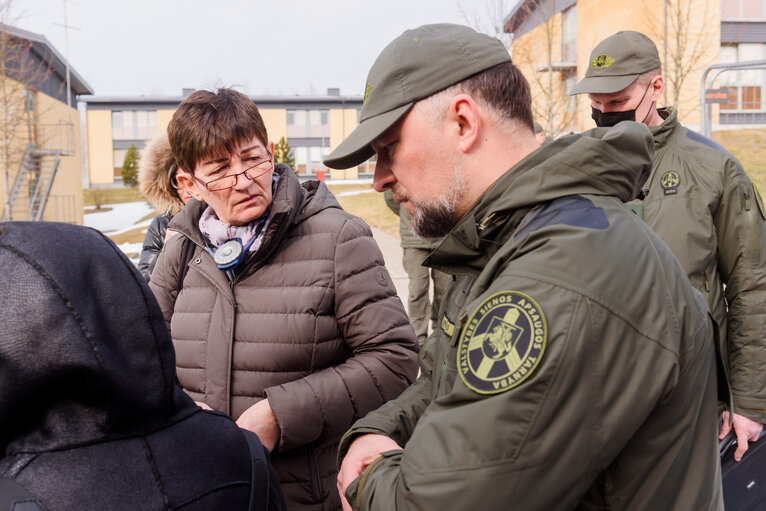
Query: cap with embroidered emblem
[415, 65]
[617, 61]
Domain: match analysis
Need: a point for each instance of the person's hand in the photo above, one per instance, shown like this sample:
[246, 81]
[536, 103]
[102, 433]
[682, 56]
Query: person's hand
[260, 419]
[202, 405]
[363, 450]
[745, 429]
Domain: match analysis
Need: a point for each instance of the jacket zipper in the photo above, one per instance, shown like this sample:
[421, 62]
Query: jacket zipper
[315, 473]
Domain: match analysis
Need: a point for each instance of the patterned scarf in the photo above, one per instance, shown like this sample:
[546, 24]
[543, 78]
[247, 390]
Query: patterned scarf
[218, 232]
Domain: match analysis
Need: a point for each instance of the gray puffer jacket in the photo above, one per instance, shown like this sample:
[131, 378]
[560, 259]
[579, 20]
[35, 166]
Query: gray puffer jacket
[311, 321]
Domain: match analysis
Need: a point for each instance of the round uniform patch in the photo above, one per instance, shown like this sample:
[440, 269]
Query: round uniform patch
[502, 343]
[670, 181]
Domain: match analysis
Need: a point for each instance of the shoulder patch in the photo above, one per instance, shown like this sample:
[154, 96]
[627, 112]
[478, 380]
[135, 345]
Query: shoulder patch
[669, 182]
[693, 135]
[573, 210]
[502, 344]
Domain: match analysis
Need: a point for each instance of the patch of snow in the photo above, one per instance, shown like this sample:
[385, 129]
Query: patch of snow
[130, 248]
[145, 223]
[121, 217]
[353, 192]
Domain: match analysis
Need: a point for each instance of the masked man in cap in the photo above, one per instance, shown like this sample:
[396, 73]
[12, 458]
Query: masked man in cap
[704, 207]
[574, 363]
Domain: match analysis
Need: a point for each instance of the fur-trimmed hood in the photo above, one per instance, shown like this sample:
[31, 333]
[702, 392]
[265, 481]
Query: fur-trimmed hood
[154, 176]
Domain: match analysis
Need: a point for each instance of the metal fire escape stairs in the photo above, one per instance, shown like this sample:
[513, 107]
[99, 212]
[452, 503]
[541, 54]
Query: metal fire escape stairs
[33, 183]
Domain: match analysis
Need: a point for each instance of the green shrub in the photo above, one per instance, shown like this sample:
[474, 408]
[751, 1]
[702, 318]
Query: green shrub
[130, 167]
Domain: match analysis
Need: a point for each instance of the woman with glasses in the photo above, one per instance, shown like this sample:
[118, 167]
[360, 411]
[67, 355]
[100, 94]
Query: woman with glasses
[280, 309]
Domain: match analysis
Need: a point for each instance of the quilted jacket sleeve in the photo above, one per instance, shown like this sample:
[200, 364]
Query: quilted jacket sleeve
[741, 234]
[397, 418]
[164, 278]
[381, 342]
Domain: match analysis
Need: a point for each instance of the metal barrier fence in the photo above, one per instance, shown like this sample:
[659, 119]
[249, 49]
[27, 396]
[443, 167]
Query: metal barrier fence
[733, 113]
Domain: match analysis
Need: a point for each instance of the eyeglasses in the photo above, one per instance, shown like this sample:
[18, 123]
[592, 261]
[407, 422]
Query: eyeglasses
[255, 170]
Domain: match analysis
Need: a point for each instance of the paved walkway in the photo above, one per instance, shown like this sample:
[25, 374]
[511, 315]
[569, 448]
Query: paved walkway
[392, 255]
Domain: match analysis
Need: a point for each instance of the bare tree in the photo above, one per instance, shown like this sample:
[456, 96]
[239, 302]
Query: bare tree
[22, 72]
[540, 54]
[536, 56]
[686, 45]
[488, 16]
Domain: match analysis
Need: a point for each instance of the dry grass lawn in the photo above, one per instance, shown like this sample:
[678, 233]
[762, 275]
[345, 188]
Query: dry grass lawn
[749, 146]
[136, 235]
[372, 209]
[112, 195]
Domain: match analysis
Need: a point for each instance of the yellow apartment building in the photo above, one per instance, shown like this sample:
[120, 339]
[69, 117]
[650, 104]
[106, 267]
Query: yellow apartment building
[552, 41]
[41, 176]
[312, 125]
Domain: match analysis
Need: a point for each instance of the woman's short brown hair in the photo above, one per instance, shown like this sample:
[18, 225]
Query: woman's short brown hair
[211, 124]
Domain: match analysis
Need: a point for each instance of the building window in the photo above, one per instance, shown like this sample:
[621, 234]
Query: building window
[301, 159]
[569, 35]
[119, 159]
[746, 88]
[308, 124]
[743, 9]
[134, 125]
[308, 160]
[368, 167]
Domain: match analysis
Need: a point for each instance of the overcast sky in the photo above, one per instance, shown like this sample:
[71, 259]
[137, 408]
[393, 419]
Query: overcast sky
[264, 47]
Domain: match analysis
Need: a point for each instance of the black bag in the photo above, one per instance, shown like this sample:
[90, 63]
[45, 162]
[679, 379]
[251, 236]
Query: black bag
[744, 481]
[265, 491]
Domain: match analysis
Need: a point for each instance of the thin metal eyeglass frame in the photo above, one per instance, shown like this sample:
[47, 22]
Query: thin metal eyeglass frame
[236, 176]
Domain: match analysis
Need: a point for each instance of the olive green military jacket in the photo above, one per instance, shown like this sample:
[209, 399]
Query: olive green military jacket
[575, 363]
[409, 239]
[710, 215]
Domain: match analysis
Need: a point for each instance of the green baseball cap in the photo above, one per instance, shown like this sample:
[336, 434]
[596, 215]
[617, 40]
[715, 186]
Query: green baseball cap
[415, 65]
[616, 63]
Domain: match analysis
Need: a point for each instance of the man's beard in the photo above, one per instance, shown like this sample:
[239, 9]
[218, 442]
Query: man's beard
[436, 217]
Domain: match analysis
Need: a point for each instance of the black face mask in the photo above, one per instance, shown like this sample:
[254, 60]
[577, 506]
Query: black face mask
[609, 119]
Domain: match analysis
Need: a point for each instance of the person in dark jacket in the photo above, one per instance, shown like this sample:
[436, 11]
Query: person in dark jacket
[90, 417]
[157, 181]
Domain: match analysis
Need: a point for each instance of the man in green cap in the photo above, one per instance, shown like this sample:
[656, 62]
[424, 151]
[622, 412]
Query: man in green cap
[704, 207]
[574, 364]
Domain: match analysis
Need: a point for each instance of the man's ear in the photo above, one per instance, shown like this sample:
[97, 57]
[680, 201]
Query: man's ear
[658, 87]
[186, 181]
[270, 148]
[465, 120]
